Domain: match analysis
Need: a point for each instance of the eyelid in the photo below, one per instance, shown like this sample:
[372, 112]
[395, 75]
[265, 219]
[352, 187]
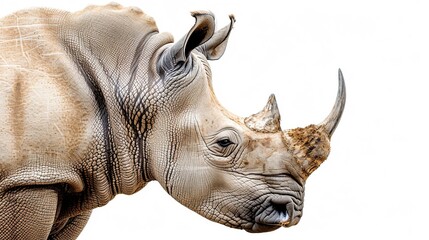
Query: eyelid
[225, 138]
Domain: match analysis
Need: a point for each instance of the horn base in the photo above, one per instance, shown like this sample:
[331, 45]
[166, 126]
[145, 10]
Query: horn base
[311, 147]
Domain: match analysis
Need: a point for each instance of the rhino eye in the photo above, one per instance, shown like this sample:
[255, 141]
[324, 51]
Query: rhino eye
[224, 142]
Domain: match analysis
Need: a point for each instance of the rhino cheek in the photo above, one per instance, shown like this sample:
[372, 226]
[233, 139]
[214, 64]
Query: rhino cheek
[191, 186]
[192, 180]
[227, 203]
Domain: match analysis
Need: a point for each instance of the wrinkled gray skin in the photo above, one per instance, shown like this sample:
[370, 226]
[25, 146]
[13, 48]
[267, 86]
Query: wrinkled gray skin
[98, 103]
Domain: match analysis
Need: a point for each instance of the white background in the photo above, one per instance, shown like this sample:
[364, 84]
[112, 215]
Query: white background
[373, 185]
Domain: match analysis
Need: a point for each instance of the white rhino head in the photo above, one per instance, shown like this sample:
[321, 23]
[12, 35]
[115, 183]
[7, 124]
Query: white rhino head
[241, 172]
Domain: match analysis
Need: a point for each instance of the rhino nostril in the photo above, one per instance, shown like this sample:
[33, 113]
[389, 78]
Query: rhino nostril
[281, 208]
[283, 217]
[277, 211]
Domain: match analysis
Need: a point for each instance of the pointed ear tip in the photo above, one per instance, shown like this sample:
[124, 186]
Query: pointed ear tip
[232, 18]
[201, 12]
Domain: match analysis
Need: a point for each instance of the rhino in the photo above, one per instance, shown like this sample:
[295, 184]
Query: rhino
[98, 103]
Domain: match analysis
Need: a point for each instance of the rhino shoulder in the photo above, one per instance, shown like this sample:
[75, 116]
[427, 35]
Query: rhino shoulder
[46, 115]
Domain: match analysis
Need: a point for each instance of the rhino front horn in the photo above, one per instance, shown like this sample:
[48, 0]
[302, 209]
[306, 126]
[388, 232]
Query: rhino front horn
[267, 120]
[331, 122]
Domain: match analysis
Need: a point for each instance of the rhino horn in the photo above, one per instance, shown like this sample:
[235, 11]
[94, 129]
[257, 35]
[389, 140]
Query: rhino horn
[311, 144]
[267, 120]
[214, 48]
[201, 32]
[331, 122]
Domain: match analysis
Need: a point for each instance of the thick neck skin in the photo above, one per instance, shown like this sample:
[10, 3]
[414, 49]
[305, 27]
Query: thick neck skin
[115, 57]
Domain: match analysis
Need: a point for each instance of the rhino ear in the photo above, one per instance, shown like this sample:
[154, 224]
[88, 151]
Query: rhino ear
[178, 54]
[214, 48]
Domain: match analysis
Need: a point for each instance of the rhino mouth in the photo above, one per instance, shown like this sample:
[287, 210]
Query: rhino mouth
[273, 214]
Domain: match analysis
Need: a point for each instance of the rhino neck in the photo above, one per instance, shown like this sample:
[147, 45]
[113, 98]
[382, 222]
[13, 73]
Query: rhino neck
[117, 64]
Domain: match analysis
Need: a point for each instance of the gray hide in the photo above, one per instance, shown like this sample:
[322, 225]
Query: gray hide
[98, 103]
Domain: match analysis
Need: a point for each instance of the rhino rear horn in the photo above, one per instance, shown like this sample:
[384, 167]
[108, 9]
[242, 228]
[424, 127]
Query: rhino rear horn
[267, 120]
[214, 48]
[201, 32]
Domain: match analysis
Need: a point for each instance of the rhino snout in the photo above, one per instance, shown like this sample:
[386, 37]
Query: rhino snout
[274, 213]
